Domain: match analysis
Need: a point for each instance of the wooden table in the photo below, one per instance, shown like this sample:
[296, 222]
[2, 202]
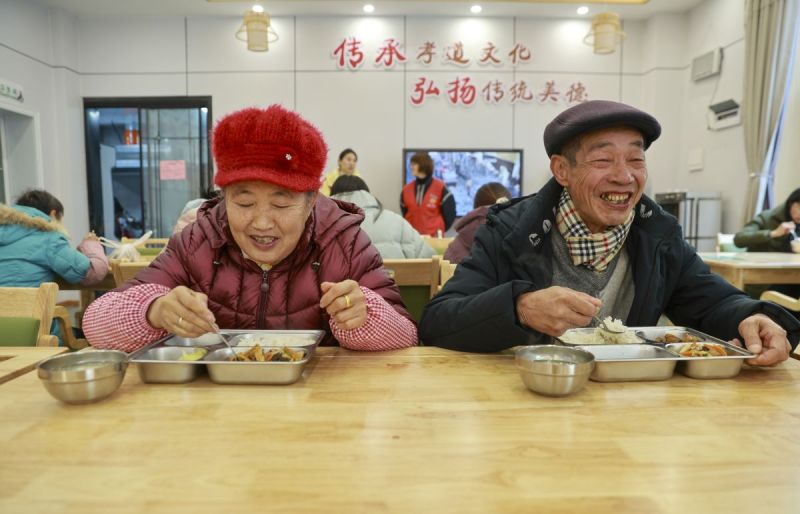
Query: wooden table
[740, 268]
[419, 430]
[16, 360]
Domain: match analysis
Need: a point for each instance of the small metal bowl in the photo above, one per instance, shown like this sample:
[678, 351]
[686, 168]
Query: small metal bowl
[553, 370]
[83, 377]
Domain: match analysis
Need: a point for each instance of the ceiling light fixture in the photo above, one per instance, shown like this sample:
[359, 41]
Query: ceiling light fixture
[582, 10]
[369, 8]
[605, 34]
[256, 30]
[475, 9]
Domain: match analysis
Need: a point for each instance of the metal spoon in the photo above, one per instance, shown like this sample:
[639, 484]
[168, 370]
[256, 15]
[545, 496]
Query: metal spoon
[601, 324]
[225, 340]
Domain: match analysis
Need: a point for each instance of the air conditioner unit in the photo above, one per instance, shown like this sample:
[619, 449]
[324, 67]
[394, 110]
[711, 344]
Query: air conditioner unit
[707, 65]
[724, 114]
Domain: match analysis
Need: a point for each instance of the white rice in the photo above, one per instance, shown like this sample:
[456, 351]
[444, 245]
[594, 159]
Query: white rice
[599, 336]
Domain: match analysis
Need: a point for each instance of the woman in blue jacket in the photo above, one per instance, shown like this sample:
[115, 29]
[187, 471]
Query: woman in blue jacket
[34, 247]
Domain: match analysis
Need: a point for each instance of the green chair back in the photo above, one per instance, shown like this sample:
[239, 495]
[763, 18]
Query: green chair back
[19, 331]
[415, 298]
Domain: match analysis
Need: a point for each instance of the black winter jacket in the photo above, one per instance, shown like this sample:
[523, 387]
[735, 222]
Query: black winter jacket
[475, 311]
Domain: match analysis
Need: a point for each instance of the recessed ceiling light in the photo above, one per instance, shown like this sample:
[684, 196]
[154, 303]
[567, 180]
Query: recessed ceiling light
[368, 8]
[582, 10]
[475, 9]
[258, 8]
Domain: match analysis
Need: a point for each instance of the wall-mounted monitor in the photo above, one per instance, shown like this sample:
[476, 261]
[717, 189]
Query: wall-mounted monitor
[464, 171]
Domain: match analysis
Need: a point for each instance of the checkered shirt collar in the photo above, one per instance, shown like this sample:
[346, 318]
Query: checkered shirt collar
[595, 251]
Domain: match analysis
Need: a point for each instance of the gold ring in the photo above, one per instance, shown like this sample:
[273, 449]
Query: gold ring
[347, 302]
[180, 318]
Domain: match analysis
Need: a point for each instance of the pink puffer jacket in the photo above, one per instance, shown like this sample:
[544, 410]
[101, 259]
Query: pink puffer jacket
[205, 258]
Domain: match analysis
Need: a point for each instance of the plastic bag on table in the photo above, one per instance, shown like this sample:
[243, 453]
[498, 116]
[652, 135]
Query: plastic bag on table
[125, 252]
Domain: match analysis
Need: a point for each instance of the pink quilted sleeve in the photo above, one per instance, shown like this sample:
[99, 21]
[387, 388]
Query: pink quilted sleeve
[385, 328]
[98, 263]
[118, 320]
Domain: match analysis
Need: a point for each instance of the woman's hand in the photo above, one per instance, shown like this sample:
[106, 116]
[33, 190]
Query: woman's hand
[345, 303]
[784, 228]
[183, 312]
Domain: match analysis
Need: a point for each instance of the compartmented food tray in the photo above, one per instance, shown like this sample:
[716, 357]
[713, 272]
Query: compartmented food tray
[630, 362]
[652, 361]
[164, 361]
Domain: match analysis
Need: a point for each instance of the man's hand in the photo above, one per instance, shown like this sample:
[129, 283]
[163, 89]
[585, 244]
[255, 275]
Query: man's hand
[556, 309]
[183, 312]
[765, 338]
[344, 301]
[782, 229]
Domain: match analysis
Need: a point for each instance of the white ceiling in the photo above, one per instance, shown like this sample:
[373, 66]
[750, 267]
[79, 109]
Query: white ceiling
[531, 8]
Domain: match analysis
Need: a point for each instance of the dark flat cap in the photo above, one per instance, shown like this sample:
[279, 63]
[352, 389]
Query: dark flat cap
[595, 114]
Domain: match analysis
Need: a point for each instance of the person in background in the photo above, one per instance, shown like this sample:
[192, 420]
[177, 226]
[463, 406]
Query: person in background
[426, 203]
[34, 246]
[189, 213]
[590, 243]
[393, 236]
[486, 196]
[346, 167]
[772, 230]
[270, 253]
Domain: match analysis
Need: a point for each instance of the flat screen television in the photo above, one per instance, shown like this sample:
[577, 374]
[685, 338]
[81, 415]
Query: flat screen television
[464, 171]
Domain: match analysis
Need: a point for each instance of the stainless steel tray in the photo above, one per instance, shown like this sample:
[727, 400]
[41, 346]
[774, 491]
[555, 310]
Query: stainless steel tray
[161, 365]
[292, 338]
[652, 333]
[631, 362]
[712, 367]
[223, 371]
[592, 331]
[158, 362]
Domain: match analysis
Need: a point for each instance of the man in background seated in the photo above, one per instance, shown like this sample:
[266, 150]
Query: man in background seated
[589, 243]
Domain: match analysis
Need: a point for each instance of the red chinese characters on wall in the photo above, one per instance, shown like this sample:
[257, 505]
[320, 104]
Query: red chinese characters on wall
[520, 54]
[455, 54]
[461, 91]
[489, 55]
[422, 89]
[348, 54]
[426, 52]
[389, 53]
[493, 92]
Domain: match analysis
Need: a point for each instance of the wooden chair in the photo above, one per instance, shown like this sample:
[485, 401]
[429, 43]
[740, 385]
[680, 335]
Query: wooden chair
[439, 244]
[418, 280]
[124, 271]
[446, 272]
[33, 303]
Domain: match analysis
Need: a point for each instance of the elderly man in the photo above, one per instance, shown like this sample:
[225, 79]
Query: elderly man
[589, 243]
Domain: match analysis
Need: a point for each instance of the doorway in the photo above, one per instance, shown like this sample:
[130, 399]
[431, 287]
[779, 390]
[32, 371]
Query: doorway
[145, 159]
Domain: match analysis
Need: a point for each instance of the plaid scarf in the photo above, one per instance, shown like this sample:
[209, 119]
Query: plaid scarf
[595, 251]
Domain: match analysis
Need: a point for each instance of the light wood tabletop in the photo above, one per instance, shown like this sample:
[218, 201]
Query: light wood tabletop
[16, 360]
[419, 430]
[741, 268]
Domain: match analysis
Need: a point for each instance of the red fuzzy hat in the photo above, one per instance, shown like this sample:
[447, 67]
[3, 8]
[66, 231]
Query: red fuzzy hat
[272, 145]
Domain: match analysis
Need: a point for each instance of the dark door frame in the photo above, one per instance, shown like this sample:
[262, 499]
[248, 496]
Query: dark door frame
[95, 194]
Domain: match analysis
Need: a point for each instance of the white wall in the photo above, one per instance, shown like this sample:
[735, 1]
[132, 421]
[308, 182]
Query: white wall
[369, 109]
[39, 52]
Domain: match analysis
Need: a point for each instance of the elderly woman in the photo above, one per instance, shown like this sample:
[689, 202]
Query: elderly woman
[271, 253]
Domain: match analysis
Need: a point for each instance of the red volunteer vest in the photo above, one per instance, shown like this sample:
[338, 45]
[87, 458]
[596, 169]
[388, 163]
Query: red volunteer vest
[425, 218]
